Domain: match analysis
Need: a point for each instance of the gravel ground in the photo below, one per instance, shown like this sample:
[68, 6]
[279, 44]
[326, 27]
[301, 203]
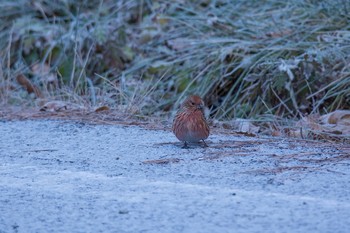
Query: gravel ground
[61, 176]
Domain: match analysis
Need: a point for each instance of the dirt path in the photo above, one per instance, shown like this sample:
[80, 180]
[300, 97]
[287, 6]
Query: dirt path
[58, 176]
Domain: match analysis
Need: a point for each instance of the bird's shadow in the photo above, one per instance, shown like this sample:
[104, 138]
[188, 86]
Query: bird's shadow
[191, 145]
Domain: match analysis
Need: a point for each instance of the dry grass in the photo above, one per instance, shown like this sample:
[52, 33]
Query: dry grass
[262, 60]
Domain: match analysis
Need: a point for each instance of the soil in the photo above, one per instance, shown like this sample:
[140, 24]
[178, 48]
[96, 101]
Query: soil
[68, 176]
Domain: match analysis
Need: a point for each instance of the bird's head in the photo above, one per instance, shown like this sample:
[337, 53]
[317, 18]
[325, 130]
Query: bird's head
[194, 102]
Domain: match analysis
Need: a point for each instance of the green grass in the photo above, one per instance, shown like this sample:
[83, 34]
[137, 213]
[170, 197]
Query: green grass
[248, 59]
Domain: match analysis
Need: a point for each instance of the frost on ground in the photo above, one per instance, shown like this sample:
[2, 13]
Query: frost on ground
[58, 176]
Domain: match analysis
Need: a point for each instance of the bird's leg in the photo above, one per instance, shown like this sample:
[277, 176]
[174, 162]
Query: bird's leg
[205, 144]
[185, 145]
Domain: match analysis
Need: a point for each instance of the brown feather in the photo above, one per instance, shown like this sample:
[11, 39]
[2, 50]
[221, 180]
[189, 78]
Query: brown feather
[189, 123]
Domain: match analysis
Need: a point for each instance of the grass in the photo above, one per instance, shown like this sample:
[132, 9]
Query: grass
[249, 59]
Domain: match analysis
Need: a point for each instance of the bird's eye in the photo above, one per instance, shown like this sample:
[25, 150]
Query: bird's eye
[192, 103]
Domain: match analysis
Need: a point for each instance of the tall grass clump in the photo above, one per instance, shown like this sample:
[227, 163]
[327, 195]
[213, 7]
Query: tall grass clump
[66, 50]
[252, 58]
[248, 59]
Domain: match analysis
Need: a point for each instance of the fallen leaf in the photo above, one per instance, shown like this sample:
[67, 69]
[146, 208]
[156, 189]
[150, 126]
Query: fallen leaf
[102, 108]
[240, 125]
[28, 85]
[333, 126]
[59, 106]
[54, 106]
[246, 127]
[337, 117]
[337, 122]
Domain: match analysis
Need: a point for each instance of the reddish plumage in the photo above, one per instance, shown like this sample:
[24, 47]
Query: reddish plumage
[189, 123]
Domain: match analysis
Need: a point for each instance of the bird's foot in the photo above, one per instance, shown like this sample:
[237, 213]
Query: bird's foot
[185, 146]
[205, 144]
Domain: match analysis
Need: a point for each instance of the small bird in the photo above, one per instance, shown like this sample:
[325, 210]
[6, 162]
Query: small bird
[189, 123]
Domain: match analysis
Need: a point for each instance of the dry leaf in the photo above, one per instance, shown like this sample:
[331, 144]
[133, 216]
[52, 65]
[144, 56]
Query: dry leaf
[54, 106]
[239, 125]
[276, 133]
[337, 117]
[329, 126]
[58, 106]
[337, 122]
[102, 108]
[28, 85]
[246, 126]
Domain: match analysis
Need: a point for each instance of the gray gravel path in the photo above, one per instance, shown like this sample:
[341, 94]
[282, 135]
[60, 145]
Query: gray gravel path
[58, 176]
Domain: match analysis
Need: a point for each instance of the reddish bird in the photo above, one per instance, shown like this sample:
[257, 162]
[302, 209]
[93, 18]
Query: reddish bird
[189, 123]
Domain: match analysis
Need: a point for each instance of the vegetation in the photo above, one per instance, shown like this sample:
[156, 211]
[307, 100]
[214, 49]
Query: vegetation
[248, 59]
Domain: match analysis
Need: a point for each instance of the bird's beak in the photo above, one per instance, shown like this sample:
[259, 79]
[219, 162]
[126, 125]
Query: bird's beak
[200, 106]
